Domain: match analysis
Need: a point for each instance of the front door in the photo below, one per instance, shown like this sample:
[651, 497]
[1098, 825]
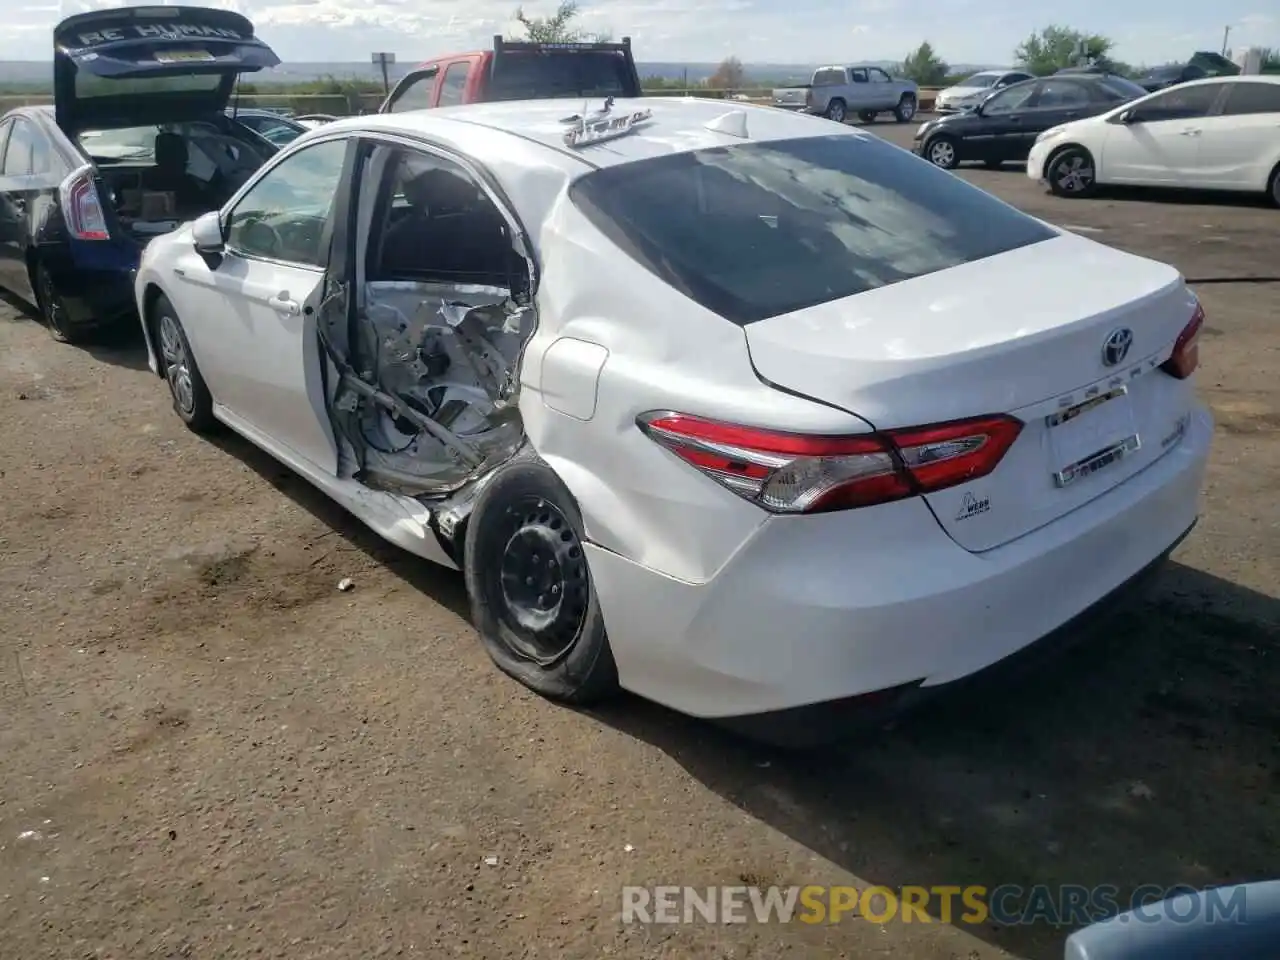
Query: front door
[1159, 144]
[253, 312]
[1238, 146]
[416, 91]
[1001, 129]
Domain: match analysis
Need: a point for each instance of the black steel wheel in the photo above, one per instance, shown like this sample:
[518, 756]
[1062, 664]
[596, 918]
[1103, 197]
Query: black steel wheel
[52, 309]
[532, 598]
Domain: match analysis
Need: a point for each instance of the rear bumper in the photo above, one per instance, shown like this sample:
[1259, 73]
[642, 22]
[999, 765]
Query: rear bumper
[819, 609]
[95, 295]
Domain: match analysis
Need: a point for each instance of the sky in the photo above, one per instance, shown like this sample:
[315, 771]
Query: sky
[756, 31]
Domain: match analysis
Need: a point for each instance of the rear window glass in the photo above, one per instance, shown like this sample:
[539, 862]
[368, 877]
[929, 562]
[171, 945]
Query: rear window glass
[531, 76]
[1121, 88]
[89, 85]
[756, 230]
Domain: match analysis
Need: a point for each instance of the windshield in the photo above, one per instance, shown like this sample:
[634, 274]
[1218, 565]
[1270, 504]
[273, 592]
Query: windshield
[982, 80]
[760, 229]
[530, 76]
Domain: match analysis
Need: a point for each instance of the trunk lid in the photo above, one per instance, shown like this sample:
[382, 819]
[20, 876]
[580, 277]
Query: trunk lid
[135, 66]
[1023, 333]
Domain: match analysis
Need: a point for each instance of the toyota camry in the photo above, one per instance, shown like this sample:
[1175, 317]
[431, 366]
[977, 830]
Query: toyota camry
[753, 417]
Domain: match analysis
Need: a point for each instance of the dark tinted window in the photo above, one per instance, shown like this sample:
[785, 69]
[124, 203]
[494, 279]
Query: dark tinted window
[415, 94]
[1246, 97]
[858, 75]
[829, 78]
[760, 229]
[18, 156]
[1180, 103]
[454, 84]
[559, 73]
[1017, 97]
[878, 75]
[1055, 94]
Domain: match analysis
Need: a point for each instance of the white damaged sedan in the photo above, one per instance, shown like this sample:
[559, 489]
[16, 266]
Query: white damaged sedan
[754, 417]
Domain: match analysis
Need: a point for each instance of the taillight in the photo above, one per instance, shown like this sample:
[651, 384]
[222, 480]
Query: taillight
[81, 207]
[1186, 351]
[807, 473]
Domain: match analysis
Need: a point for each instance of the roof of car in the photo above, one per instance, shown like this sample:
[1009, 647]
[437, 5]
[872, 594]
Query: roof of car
[677, 125]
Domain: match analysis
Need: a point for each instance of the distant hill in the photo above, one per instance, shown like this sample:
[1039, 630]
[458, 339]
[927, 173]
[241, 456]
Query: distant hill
[28, 73]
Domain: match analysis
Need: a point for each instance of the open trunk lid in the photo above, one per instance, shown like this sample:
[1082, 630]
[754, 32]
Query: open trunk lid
[1036, 332]
[135, 66]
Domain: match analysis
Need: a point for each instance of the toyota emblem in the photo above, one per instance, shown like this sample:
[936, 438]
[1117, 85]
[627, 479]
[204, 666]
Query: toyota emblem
[1116, 347]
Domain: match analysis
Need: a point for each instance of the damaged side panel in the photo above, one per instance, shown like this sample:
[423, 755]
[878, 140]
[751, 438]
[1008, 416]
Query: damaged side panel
[426, 397]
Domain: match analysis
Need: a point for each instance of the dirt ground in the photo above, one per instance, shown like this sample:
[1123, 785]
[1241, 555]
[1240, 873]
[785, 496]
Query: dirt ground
[209, 751]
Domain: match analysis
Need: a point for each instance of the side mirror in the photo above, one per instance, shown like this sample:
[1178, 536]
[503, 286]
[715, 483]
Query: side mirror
[1130, 116]
[206, 233]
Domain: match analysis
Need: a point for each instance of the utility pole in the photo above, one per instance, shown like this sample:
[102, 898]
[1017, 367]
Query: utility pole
[1226, 32]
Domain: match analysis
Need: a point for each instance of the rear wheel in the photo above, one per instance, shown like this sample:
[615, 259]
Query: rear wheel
[532, 599]
[1071, 173]
[836, 110]
[942, 152]
[53, 312]
[906, 108]
[191, 398]
[1273, 187]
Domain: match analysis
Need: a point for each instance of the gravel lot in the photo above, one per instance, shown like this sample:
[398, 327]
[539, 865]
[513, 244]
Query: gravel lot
[208, 751]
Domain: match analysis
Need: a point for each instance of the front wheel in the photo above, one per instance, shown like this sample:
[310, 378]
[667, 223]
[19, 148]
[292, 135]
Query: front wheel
[906, 108]
[191, 398]
[1273, 187]
[1070, 173]
[942, 152]
[836, 111]
[532, 599]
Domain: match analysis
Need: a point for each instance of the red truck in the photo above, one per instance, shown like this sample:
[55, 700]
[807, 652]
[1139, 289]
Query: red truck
[519, 70]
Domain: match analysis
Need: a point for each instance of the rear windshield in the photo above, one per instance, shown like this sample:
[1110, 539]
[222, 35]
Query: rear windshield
[561, 73]
[1122, 88]
[761, 229]
[89, 85]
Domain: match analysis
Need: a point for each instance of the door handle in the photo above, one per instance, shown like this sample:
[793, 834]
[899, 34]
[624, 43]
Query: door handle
[1190, 133]
[281, 303]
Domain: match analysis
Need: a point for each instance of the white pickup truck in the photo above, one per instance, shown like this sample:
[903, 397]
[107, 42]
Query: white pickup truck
[865, 91]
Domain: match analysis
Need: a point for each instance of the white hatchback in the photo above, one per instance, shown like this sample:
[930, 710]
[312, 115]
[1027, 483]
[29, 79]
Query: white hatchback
[1221, 133]
[737, 412]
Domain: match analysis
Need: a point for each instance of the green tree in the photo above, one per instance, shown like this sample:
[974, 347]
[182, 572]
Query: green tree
[1054, 47]
[925, 67]
[557, 28]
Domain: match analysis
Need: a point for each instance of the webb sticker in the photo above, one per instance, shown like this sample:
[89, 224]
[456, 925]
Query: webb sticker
[972, 506]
